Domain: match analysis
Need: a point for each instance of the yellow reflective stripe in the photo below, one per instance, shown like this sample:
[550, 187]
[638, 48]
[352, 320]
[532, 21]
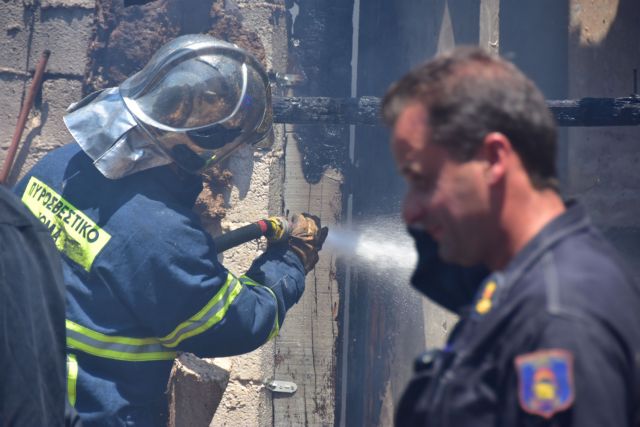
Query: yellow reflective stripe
[120, 355]
[73, 232]
[72, 378]
[210, 314]
[276, 326]
[108, 338]
[115, 347]
[146, 349]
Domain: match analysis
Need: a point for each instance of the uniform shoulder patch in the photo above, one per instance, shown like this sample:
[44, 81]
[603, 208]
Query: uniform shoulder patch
[545, 381]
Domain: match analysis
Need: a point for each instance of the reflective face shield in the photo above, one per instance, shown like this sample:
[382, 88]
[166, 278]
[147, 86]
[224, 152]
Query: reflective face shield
[196, 101]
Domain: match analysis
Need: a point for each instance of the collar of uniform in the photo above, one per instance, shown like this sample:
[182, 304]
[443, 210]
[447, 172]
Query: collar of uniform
[485, 302]
[573, 219]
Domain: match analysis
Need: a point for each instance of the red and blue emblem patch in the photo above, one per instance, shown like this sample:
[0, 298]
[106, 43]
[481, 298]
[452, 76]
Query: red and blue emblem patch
[545, 381]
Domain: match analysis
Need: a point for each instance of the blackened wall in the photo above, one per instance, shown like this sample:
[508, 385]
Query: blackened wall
[387, 318]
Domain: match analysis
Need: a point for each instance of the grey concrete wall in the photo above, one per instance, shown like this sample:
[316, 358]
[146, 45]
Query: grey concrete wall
[27, 29]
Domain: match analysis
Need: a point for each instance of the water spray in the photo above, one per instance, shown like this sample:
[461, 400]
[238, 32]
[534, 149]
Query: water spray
[381, 246]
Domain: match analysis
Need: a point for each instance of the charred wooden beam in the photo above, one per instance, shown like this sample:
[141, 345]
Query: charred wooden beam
[366, 110]
[597, 111]
[325, 110]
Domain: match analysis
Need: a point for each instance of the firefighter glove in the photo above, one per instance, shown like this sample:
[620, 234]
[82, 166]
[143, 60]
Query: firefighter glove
[306, 239]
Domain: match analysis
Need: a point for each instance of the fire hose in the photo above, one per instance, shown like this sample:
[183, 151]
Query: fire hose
[273, 228]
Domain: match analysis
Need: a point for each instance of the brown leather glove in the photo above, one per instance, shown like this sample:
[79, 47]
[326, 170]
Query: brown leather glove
[306, 239]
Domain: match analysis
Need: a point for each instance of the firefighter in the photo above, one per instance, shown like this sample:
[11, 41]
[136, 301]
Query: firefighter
[142, 277]
[549, 330]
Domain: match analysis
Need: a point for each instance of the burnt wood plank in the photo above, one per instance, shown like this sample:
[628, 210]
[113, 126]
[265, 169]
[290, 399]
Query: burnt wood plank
[366, 111]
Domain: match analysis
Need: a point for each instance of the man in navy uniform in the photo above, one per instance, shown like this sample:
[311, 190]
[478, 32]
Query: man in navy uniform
[142, 276]
[549, 330]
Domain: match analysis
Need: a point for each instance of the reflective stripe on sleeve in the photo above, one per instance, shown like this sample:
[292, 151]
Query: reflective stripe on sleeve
[148, 349]
[116, 347]
[210, 314]
[72, 378]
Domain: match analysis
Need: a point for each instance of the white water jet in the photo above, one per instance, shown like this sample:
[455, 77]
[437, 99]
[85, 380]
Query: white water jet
[381, 246]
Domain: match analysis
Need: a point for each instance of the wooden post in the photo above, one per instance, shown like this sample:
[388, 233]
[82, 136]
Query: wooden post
[195, 390]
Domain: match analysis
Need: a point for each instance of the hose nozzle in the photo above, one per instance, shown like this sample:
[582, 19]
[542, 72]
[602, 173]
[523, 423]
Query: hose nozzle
[276, 228]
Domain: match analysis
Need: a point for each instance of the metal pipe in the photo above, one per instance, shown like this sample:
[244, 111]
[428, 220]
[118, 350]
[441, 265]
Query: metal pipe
[24, 113]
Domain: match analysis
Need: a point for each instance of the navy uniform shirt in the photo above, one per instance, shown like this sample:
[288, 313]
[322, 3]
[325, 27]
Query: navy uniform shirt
[143, 282]
[32, 378]
[551, 340]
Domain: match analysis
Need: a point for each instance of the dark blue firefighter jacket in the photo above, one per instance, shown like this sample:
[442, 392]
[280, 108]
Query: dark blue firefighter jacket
[552, 340]
[143, 282]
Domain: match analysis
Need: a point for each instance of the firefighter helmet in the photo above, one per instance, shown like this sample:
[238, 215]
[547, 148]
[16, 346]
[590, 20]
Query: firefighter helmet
[197, 100]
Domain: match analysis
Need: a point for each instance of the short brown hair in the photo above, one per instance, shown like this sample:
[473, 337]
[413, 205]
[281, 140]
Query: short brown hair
[469, 93]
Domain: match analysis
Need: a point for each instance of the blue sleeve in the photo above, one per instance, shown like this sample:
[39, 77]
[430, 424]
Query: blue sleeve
[281, 271]
[192, 303]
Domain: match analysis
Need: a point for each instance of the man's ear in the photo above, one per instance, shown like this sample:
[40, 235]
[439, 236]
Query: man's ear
[497, 151]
